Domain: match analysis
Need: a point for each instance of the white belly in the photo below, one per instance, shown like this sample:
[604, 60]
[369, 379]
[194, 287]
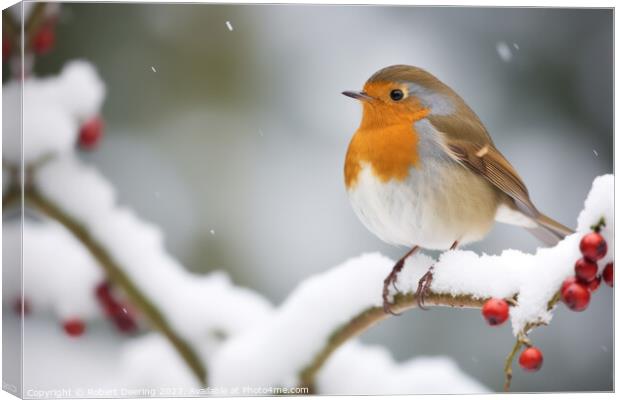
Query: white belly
[432, 208]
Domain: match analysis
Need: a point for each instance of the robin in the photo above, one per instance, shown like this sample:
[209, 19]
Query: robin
[422, 171]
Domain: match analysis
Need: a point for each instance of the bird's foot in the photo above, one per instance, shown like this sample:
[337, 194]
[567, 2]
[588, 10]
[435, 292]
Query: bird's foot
[424, 285]
[390, 280]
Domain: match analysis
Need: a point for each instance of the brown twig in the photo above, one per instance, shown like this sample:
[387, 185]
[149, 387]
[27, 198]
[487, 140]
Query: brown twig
[120, 278]
[599, 225]
[522, 339]
[374, 315]
[9, 25]
[402, 302]
[12, 31]
[12, 28]
[35, 20]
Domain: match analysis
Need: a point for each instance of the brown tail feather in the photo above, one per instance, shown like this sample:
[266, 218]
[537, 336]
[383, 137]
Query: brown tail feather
[549, 230]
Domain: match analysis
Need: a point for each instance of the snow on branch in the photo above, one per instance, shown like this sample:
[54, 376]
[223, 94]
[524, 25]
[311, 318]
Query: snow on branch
[120, 278]
[150, 361]
[328, 309]
[55, 107]
[57, 270]
[185, 307]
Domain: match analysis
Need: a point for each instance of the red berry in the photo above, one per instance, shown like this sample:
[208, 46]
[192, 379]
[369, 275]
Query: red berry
[125, 325]
[74, 327]
[6, 48]
[531, 359]
[112, 308]
[91, 133]
[19, 304]
[593, 246]
[594, 284]
[495, 311]
[44, 39]
[102, 291]
[576, 296]
[608, 274]
[585, 269]
[568, 281]
[124, 321]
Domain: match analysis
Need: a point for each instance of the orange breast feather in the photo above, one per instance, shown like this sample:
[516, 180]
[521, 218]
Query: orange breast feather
[387, 141]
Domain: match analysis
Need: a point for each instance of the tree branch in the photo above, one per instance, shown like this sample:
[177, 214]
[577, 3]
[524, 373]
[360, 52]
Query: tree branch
[120, 278]
[368, 318]
[508, 365]
[522, 339]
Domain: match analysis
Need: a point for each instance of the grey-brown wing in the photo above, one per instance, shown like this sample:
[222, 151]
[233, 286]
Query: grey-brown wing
[487, 161]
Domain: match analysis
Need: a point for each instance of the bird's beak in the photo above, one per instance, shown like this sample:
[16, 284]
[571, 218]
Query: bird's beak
[357, 95]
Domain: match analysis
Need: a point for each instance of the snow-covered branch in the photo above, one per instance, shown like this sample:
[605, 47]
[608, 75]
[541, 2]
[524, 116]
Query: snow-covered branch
[119, 277]
[56, 285]
[322, 313]
[328, 309]
[371, 316]
[56, 107]
[187, 309]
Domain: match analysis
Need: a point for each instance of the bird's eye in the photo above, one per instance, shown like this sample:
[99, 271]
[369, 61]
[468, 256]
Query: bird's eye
[397, 94]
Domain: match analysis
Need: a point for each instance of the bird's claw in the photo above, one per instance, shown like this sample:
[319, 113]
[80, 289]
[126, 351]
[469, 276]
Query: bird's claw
[387, 309]
[390, 280]
[424, 285]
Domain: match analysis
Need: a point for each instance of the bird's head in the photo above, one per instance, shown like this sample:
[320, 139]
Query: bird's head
[402, 93]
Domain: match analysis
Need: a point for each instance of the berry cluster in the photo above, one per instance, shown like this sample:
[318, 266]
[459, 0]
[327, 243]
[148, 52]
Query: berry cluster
[576, 290]
[495, 312]
[115, 310]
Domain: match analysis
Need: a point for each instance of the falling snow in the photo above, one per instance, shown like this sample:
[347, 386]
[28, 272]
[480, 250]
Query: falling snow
[212, 231]
[504, 51]
[229, 26]
[595, 152]
[153, 68]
